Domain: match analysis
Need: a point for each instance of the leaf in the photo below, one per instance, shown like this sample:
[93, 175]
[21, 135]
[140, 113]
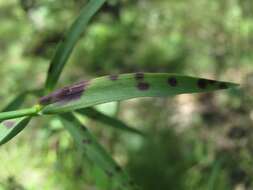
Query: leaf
[66, 46]
[16, 102]
[108, 120]
[94, 151]
[10, 128]
[33, 111]
[125, 86]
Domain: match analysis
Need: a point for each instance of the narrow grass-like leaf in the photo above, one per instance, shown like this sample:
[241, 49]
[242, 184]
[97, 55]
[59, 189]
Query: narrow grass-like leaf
[19, 113]
[16, 102]
[19, 99]
[95, 152]
[66, 46]
[125, 86]
[108, 120]
[10, 128]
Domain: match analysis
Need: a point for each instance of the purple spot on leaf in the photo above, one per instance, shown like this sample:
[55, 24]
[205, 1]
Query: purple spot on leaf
[45, 100]
[143, 86]
[8, 124]
[65, 94]
[172, 81]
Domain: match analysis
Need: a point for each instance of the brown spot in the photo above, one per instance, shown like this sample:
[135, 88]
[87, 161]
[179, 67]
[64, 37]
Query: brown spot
[65, 94]
[223, 86]
[45, 100]
[8, 124]
[139, 76]
[172, 81]
[202, 83]
[113, 77]
[143, 86]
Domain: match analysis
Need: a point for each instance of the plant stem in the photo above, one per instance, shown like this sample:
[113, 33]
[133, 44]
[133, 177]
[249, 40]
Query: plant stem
[18, 113]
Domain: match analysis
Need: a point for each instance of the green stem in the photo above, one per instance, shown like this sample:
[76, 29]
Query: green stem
[19, 113]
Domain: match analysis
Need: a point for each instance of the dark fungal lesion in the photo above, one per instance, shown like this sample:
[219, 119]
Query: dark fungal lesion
[143, 86]
[65, 94]
[204, 83]
[9, 124]
[172, 81]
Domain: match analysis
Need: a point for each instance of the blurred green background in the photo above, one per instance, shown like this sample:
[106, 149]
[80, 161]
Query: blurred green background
[198, 142]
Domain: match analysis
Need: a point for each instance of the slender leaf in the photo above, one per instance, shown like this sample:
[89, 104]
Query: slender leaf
[108, 120]
[16, 102]
[125, 86]
[10, 128]
[95, 152]
[19, 113]
[19, 99]
[67, 44]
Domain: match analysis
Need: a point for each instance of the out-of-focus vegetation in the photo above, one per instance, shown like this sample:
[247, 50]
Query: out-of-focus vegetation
[196, 141]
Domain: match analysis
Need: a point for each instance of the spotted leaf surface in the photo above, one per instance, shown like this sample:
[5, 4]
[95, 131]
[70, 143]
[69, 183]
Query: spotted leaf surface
[10, 128]
[126, 86]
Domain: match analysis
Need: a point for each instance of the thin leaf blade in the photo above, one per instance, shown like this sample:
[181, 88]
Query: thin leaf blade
[16, 102]
[108, 120]
[126, 86]
[66, 46]
[10, 128]
[95, 152]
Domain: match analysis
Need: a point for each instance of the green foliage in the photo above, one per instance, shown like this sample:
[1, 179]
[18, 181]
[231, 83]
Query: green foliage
[95, 152]
[126, 36]
[10, 128]
[66, 46]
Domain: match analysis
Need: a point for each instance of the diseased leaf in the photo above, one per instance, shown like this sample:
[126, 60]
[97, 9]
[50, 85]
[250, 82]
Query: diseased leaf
[95, 152]
[114, 88]
[66, 46]
[108, 120]
[10, 128]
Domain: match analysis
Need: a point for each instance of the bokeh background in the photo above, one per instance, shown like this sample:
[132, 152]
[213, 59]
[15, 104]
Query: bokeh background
[198, 142]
